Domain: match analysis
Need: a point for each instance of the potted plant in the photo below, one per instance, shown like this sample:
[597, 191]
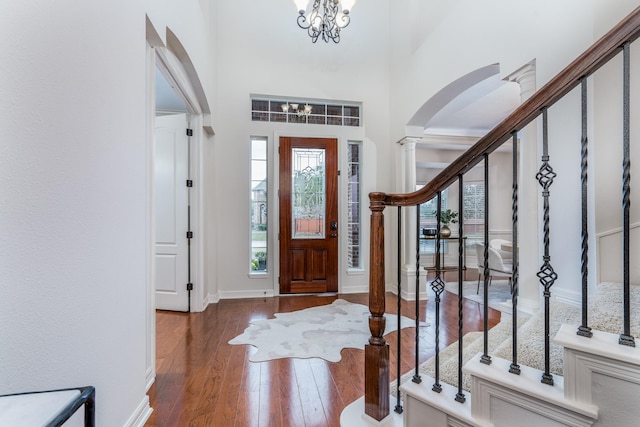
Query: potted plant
[446, 217]
[261, 257]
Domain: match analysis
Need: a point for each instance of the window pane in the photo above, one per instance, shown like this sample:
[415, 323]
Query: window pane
[351, 111]
[473, 202]
[259, 105]
[259, 187]
[334, 110]
[428, 220]
[264, 110]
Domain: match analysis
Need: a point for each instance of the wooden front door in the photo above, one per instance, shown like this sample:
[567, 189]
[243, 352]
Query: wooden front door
[308, 215]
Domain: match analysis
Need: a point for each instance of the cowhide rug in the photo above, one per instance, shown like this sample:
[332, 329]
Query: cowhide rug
[314, 332]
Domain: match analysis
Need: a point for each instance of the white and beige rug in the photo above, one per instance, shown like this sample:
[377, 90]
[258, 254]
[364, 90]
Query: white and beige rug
[314, 332]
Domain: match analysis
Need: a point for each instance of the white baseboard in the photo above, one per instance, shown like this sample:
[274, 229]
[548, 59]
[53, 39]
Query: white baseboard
[150, 376]
[358, 289]
[211, 299]
[246, 294]
[567, 297]
[141, 414]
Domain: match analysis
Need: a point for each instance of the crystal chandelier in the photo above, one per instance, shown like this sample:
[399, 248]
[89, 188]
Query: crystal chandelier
[325, 19]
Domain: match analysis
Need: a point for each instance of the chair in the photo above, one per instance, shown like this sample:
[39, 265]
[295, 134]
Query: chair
[497, 267]
[507, 256]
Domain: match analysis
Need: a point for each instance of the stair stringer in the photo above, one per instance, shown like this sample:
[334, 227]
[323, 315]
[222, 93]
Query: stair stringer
[601, 372]
[499, 397]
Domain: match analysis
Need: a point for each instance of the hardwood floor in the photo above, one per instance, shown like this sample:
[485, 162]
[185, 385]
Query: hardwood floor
[203, 381]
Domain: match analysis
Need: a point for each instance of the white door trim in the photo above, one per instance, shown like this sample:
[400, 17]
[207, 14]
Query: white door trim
[173, 69]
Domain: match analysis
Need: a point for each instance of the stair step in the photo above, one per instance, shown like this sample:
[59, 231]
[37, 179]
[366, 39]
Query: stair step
[498, 395]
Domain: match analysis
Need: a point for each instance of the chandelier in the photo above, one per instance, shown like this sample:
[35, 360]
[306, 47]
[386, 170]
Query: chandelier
[325, 19]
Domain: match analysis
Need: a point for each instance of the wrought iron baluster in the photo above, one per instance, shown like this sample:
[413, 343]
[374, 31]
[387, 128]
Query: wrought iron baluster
[486, 359]
[626, 338]
[416, 376]
[514, 368]
[460, 397]
[437, 285]
[546, 274]
[398, 407]
[584, 329]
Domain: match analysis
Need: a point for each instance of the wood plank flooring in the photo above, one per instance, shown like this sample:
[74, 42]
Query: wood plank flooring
[203, 381]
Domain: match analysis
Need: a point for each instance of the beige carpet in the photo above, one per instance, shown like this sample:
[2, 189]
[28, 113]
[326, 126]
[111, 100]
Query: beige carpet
[605, 314]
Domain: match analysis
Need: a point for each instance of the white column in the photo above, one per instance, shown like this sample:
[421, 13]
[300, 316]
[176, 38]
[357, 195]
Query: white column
[409, 224]
[528, 196]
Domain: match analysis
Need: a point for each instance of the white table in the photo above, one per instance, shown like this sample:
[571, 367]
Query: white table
[47, 408]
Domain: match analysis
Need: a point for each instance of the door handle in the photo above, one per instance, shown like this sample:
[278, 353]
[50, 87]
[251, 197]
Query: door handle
[334, 234]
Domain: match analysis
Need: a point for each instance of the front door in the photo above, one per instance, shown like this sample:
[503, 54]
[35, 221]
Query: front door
[308, 215]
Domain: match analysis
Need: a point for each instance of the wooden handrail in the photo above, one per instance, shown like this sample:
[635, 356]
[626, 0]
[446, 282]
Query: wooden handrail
[586, 64]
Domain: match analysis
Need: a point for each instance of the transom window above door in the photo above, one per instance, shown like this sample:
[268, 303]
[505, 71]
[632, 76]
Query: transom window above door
[317, 112]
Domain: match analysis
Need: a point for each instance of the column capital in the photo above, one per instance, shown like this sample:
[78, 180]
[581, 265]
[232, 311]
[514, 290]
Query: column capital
[525, 76]
[409, 141]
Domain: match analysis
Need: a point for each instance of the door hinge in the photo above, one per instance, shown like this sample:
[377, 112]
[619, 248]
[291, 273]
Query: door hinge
[189, 183]
[189, 234]
[338, 173]
[189, 286]
[189, 132]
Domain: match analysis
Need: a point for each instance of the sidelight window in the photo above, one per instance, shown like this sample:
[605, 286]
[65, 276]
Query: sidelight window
[259, 202]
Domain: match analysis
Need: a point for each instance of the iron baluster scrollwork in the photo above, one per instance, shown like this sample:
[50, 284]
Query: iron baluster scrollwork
[626, 338]
[398, 408]
[584, 329]
[514, 368]
[437, 285]
[416, 376]
[485, 358]
[460, 397]
[547, 275]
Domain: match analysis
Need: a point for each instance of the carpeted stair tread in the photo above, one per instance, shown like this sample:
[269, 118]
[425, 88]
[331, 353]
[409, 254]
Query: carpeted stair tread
[605, 314]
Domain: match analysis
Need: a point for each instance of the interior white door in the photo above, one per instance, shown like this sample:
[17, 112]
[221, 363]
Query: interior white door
[171, 212]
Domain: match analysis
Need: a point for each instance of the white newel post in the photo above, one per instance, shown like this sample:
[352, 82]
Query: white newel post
[528, 195]
[409, 224]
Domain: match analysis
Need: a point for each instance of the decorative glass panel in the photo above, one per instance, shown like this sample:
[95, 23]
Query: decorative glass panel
[353, 201]
[308, 193]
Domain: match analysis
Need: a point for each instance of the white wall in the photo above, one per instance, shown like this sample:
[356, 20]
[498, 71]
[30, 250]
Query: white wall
[74, 210]
[263, 51]
[607, 148]
[72, 168]
[449, 41]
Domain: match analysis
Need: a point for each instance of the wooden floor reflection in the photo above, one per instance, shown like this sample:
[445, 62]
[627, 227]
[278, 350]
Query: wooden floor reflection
[203, 381]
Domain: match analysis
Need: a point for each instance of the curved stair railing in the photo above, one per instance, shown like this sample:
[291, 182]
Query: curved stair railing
[576, 74]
